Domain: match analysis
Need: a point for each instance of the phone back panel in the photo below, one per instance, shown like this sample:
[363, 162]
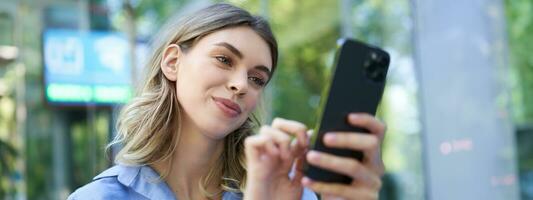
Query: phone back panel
[353, 87]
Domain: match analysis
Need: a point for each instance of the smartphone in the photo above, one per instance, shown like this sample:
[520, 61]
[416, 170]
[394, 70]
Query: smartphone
[356, 85]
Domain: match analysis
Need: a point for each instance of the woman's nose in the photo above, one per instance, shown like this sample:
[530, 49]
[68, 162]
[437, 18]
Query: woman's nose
[238, 83]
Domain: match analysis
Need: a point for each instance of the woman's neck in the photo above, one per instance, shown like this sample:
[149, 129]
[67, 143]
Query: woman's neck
[194, 155]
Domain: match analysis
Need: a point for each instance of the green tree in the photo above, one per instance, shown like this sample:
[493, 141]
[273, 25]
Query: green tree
[8, 155]
[519, 15]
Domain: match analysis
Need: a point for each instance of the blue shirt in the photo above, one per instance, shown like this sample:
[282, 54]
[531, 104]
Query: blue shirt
[139, 183]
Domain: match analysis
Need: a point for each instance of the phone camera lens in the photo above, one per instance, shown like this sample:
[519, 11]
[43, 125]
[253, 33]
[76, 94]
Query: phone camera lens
[374, 67]
[373, 56]
[367, 64]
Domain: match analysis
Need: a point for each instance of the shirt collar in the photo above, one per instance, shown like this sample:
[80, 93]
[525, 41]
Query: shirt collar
[146, 181]
[149, 184]
[141, 179]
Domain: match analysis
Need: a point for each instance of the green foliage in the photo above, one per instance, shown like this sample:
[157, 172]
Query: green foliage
[306, 51]
[87, 146]
[8, 155]
[161, 9]
[520, 26]
[39, 164]
[301, 77]
[9, 145]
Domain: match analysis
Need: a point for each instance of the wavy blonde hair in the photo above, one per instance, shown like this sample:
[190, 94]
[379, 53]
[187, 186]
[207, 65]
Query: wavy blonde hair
[149, 126]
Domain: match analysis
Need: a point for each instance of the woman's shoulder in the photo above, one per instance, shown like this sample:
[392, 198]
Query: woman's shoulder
[106, 185]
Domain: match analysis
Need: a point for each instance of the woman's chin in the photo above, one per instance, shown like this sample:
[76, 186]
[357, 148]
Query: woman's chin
[218, 126]
[218, 132]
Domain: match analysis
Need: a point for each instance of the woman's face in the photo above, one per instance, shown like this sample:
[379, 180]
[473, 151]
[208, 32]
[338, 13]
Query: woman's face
[220, 79]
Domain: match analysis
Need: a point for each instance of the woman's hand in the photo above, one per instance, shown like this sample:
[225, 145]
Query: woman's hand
[366, 174]
[270, 156]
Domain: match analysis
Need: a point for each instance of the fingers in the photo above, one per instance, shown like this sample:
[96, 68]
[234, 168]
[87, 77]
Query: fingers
[340, 190]
[310, 133]
[369, 122]
[372, 149]
[259, 147]
[261, 155]
[299, 163]
[282, 131]
[330, 197]
[293, 128]
[298, 170]
[353, 141]
[281, 140]
[255, 146]
[370, 145]
[346, 166]
[272, 146]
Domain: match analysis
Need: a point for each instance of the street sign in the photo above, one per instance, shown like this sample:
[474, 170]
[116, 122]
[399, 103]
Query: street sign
[86, 67]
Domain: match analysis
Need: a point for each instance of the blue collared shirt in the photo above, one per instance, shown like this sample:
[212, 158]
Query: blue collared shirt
[139, 183]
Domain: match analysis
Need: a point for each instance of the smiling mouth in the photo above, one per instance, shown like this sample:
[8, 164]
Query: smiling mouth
[228, 107]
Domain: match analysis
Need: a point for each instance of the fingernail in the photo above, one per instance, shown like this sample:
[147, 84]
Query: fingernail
[294, 143]
[353, 116]
[306, 181]
[313, 155]
[330, 138]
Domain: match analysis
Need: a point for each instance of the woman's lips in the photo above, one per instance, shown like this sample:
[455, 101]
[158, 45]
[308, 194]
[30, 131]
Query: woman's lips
[227, 106]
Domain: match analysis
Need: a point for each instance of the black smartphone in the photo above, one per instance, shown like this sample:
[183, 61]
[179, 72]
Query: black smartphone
[356, 85]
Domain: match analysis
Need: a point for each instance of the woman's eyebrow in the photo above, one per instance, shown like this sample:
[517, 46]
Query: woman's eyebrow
[231, 48]
[239, 54]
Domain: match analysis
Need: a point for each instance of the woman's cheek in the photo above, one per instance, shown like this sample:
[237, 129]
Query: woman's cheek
[251, 102]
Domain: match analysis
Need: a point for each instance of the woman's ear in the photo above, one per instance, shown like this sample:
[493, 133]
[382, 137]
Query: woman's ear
[170, 61]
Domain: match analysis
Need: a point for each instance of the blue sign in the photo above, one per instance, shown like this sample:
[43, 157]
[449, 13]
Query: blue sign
[86, 67]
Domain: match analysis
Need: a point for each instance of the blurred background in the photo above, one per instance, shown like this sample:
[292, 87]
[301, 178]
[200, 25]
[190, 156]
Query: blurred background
[458, 102]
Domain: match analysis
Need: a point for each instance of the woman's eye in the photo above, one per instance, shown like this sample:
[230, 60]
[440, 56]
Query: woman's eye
[224, 59]
[258, 81]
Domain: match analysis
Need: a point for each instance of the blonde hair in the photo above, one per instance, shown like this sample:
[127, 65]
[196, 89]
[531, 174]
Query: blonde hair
[149, 126]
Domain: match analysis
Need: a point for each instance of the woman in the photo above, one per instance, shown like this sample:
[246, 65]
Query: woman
[187, 135]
